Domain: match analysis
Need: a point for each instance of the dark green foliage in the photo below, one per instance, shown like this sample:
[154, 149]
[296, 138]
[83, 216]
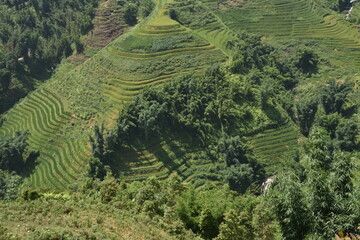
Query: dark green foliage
[9, 185]
[102, 142]
[336, 5]
[98, 142]
[151, 115]
[199, 104]
[12, 151]
[145, 8]
[30, 194]
[325, 200]
[96, 169]
[5, 71]
[346, 134]
[330, 123]
[307, 60]
[208, 224]
[250, 52]
[34, 36]
[130, 13]
[242, 170]
[334, 95]
[306, 110]
[290, 208]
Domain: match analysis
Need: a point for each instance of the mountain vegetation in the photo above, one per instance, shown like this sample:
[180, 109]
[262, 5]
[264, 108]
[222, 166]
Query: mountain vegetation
[179, 119]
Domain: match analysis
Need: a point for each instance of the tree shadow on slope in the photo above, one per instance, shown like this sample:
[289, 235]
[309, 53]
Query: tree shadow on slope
[30, 164]
[169, 149]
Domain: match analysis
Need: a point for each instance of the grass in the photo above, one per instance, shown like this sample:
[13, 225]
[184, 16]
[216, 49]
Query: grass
[273, 146]
[302, 20]
[60, 115]
[59, 216]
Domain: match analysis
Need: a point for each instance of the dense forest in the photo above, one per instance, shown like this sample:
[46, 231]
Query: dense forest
[35, 36]
[189, 125]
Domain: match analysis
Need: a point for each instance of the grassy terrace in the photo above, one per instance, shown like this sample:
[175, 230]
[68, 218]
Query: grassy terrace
[302, 20]
[60, 115]
[275, 144]
[43, 115]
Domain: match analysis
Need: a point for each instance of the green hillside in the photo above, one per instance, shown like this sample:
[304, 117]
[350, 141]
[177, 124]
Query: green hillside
[303, 20]
[180, 119]
[59, 114]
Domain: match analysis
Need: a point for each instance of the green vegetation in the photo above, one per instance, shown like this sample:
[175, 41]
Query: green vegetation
[34, 37]
[204, 120]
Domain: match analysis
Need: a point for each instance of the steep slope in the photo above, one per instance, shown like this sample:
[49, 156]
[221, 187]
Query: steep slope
[303, 20]
[59, 115]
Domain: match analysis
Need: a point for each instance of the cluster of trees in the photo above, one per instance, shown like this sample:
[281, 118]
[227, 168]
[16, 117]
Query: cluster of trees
[178, 207]
[336, 5]
[35, 35]
[191, 14]
[334, 108]
[205, 109]
[322, 200]
[13, 155]
[12, 151]
[9, 185]
[135, 9]
[201, 105]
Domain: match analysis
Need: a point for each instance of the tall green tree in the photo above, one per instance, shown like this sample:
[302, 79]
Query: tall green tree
[12, 151]
[333, 96]
[306, 110]
[290, 208]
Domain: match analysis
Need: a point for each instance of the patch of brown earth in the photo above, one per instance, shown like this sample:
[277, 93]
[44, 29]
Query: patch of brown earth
[108, 24]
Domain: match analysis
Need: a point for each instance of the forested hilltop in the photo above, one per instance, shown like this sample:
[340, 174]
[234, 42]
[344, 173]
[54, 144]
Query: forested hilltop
[180, 119]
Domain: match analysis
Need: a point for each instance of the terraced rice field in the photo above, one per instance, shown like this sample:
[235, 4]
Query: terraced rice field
[298, 19]
[159, 159]
[60, 161]
[275, 144]
[121, 87]
[60, 115]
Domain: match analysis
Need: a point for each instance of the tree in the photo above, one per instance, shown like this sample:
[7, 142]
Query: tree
[334, 95]
[149, 116]
[99, 144]
[146, 7]
[344, 192]
[97, 169]
[325, 202]
[130, 13]
[329, 185]
[307, 60]
[290, 208]
[306, 110]
[9, 185]
[346, 134]
[108, 188]
[242, 169]
[236, 226]
[12, 150]
[208, 224]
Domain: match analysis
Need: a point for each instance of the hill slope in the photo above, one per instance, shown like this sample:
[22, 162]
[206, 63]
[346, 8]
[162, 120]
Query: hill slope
[59, 114]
